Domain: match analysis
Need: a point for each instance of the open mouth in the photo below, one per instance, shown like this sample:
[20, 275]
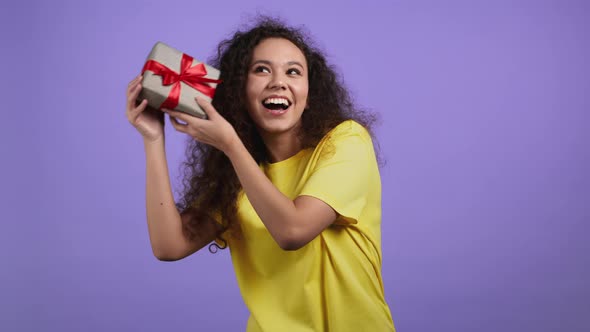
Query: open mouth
[276, 104]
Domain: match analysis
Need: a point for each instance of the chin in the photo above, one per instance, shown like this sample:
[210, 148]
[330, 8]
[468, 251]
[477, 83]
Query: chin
[277, 126]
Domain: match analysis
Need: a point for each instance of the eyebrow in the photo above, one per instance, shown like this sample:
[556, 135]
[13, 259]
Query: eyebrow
[266, 62]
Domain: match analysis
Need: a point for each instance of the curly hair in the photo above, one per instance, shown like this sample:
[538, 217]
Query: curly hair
[211, 186]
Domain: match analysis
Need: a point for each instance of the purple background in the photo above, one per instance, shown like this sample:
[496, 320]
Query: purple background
[485, 129]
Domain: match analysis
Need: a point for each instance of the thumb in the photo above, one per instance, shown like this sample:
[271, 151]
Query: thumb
[207, 107]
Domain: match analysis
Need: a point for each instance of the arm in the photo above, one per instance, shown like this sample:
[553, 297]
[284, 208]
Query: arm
[164, 222]
[292, 223]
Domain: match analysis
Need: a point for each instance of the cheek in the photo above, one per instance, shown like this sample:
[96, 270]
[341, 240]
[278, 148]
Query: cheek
[252, 90]
[251, 99]
[249, 89]
[302, 93]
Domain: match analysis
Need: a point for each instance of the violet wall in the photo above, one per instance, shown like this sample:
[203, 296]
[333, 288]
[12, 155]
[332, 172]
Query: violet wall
[485, 129]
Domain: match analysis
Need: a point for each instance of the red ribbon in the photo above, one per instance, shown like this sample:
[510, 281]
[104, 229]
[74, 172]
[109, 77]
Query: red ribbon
[193, 76]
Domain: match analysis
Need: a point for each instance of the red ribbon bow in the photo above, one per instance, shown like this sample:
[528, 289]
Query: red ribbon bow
[193, 76]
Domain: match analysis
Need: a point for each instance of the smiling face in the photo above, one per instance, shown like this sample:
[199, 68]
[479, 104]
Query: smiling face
[277, 87]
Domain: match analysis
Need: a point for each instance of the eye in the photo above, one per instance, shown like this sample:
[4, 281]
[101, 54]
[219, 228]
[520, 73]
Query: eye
[293, 71]
[261, 69]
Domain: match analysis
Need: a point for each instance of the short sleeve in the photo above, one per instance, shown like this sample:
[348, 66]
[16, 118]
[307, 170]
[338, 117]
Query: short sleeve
[340, 177]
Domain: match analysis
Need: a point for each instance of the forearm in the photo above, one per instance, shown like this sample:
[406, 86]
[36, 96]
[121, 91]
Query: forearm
[164, 222]
[277, 211]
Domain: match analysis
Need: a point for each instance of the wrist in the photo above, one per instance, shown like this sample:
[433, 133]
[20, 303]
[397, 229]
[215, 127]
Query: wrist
[153, 142]
[233, 147]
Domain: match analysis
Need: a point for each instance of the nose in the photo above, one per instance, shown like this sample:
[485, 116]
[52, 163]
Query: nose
[277, 83]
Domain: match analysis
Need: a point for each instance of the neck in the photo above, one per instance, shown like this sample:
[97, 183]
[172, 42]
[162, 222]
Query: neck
[281, 146]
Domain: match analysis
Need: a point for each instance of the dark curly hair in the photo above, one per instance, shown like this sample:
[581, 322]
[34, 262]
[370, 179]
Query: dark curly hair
[211, 186]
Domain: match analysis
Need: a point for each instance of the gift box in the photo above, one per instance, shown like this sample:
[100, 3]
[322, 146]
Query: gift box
[172, 80]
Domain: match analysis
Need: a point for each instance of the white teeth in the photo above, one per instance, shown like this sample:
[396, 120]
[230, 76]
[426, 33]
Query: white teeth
[276, 101]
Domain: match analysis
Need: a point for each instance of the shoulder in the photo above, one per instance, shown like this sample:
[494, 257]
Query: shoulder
[346, 131]
[348, 139]
[349, 127]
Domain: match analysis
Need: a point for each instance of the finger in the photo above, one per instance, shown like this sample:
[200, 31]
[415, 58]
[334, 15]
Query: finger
[177, 125]
[133, 82]
[132, 96]
[207, 107]
[138, 77]
[134, 112]
[179, 115]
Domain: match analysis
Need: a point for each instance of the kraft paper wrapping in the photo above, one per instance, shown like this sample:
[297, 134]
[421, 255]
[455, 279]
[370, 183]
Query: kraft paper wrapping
[156, 93]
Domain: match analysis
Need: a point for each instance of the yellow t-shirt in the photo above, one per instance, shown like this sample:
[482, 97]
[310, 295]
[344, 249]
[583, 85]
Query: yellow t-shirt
[334, 282]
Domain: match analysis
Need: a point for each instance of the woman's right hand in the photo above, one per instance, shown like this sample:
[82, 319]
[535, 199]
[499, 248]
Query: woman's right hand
[147, 120]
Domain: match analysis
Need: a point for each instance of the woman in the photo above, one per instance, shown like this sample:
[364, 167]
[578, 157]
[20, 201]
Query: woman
[284, 172]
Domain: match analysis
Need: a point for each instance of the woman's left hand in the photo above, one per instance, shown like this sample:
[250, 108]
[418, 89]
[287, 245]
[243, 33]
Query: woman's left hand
[215, 131]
